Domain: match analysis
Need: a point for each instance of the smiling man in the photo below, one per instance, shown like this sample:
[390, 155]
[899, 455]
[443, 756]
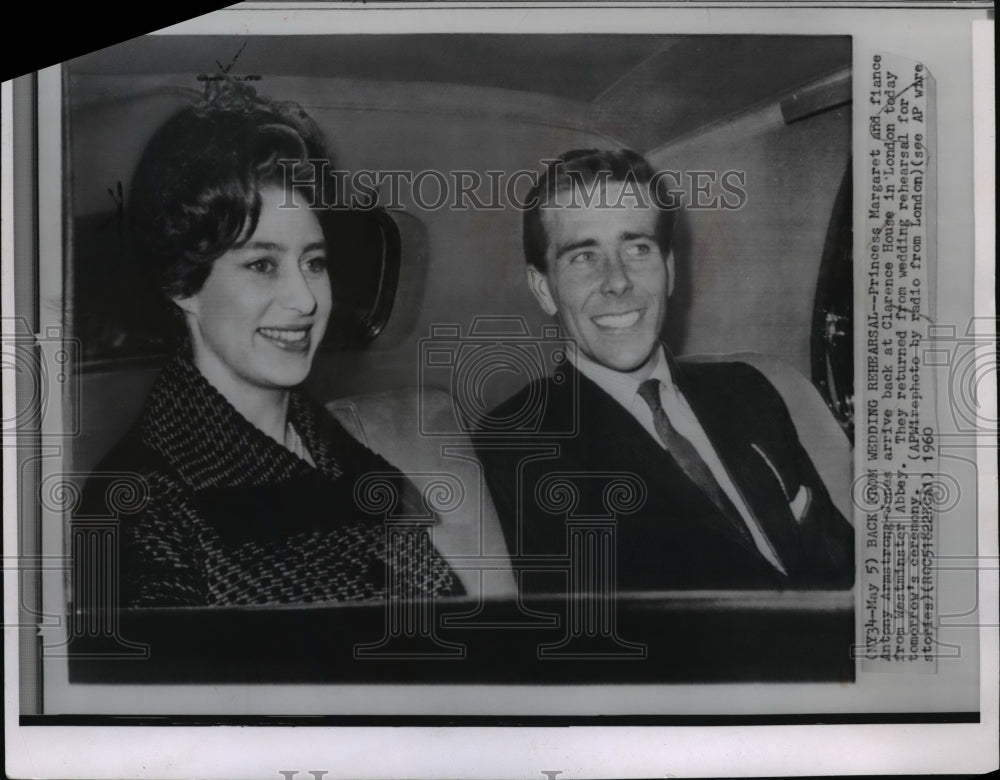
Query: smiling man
[731, 499]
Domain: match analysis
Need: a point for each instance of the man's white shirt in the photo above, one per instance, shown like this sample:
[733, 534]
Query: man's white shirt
[624, 389]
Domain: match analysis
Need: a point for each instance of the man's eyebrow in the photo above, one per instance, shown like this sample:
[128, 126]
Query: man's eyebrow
[569, 246]
[632, 236]
[314, 245]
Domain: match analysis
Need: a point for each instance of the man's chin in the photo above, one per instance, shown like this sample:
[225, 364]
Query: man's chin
[628, 361]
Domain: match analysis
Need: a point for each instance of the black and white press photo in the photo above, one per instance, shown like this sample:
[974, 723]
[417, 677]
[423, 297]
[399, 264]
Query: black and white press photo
[610, 367]
[561, 427]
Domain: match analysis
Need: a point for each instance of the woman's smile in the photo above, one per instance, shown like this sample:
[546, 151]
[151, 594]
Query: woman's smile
[294, 339]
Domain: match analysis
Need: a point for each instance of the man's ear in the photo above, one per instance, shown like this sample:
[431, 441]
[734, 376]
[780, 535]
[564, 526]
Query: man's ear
[538, 283]
[670, 272]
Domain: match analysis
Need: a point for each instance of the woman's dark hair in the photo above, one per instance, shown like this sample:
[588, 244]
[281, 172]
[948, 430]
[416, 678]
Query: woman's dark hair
[585, 168]
[195, 193]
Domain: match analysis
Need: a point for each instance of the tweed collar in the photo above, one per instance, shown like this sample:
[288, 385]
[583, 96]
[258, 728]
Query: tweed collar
[210, 444]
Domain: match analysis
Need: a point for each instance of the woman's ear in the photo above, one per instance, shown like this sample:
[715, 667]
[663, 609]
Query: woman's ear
[538, 283]
[187, 304]
[670, 272]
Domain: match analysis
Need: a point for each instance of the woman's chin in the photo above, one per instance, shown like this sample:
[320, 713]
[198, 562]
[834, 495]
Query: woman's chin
[292, 375]
[284, 373]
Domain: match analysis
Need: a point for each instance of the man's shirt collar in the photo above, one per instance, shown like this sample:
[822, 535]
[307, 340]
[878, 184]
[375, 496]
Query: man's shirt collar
[622, 386]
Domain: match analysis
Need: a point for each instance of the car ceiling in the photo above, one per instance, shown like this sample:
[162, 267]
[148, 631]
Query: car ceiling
[644, 89]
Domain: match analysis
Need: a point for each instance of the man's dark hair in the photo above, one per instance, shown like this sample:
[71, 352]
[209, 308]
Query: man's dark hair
[195, 193]
[587, 168]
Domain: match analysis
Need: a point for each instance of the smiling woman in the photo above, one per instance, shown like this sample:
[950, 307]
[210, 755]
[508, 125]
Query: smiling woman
[258, 318]
[248, 489]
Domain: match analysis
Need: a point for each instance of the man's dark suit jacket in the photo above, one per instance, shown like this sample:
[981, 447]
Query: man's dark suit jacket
[677, 539]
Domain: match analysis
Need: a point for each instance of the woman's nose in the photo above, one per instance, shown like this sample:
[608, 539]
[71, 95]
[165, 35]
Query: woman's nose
[296, 293]
[616, 278]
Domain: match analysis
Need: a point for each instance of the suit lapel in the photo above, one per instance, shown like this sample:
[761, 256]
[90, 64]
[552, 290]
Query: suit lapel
[755, 476]
[614, 433]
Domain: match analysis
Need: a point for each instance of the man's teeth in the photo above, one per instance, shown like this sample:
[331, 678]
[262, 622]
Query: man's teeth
[626, 320]
[284, 335]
